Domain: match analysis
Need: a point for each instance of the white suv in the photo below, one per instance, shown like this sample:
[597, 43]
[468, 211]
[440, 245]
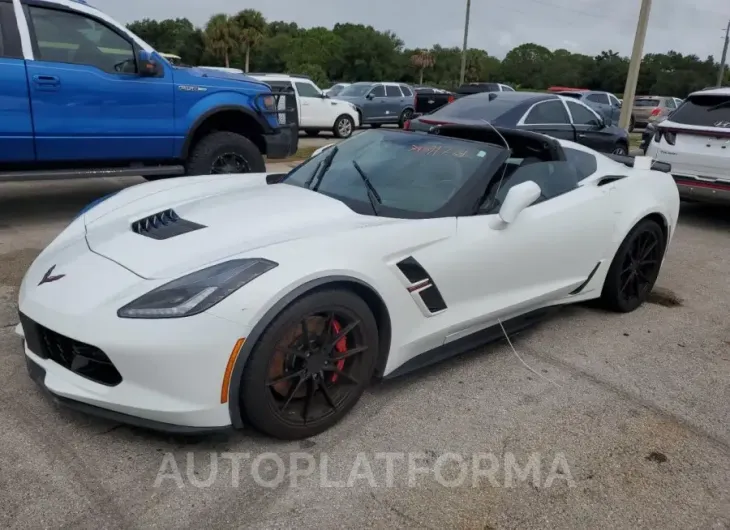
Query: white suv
[317, 111]
[695, 140]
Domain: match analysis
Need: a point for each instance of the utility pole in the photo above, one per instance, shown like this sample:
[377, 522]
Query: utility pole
[721, 75]
[636, 55]
[466, 37]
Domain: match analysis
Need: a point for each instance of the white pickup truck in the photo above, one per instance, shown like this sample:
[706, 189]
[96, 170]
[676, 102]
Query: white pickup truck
[317, 111]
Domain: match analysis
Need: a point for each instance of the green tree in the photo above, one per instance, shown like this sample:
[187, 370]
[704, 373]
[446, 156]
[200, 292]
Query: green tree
[252, 27]
[222, 37]
[422, 59]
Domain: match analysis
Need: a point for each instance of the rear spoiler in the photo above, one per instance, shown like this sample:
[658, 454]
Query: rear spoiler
[628, 161]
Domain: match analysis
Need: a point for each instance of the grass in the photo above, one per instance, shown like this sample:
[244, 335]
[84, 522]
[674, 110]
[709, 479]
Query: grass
[634, 140]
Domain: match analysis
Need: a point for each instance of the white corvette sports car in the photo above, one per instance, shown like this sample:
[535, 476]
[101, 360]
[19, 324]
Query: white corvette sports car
[202, 303]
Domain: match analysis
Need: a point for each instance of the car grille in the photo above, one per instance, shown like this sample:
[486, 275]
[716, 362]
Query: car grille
[82, 359]
[164, 225]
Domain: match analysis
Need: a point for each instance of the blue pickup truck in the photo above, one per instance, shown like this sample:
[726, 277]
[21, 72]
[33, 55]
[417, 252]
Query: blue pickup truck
[80, 95]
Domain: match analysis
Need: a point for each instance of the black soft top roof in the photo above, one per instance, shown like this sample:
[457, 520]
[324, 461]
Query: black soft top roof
[486, 133]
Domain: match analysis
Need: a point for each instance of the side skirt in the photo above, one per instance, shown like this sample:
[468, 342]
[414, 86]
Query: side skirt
[473, 341]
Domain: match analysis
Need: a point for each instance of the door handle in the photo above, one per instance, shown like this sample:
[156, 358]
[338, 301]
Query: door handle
[46, 80]
[581, 135]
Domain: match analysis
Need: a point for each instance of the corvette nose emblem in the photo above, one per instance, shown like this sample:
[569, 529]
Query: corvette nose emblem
[49, 277]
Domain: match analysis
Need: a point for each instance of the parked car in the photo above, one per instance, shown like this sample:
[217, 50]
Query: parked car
[275, 302]
[381, 103]
[317, 111]
[334, 90]
[549, 114]
[82, 96]
[605, 103]
[695, 140]
[430, 101]
[649, 109]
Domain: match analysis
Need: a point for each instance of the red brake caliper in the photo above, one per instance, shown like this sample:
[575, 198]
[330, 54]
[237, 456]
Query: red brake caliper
[340, 347]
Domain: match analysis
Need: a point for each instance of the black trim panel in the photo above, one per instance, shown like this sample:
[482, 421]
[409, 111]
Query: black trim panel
[38, 374]
[12, 47]
[416, 274]
[590, 277]
[164, 225]
[470, 342]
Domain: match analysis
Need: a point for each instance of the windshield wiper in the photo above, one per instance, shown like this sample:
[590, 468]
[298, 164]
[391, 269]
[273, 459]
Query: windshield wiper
[326, 163]
[719, 105]
[373, 196]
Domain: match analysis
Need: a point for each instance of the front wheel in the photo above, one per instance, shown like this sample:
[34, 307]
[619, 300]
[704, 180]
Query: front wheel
[634, 268]
[344, 125]
[224, 152]
[311, 365]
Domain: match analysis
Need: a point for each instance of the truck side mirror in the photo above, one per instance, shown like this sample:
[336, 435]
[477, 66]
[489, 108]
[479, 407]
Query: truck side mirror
[147, 65]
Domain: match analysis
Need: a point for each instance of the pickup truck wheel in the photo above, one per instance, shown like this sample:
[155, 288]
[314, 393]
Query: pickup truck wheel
[311, 132]
[225, 152]
[343, 127]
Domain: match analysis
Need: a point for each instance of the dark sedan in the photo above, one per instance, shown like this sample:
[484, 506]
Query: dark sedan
[548, 114]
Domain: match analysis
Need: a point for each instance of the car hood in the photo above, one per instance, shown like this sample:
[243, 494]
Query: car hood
[238, 214]
[210, 73]
[349, 99]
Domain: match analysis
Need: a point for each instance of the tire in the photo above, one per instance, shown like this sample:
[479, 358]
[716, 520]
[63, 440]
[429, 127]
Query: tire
[311, 132]
[613, 296]
[375, 125]
[265, 406]
[344, 127]
[404, 117]
[223, 143]
[621, 149]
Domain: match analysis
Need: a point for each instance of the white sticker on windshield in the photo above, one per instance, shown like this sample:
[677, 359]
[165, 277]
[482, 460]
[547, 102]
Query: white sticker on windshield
[482, 154]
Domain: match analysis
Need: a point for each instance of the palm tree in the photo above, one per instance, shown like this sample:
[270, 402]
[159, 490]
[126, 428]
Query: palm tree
[222, 37]
[252, 26]
[422, 59]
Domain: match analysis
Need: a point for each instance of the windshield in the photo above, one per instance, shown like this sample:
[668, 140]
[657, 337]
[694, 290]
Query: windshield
[704, 110]
[411, 173]
[356, 90]
[476, 107]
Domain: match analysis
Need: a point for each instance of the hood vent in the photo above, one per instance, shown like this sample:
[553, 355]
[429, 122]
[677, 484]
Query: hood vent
[164, 225]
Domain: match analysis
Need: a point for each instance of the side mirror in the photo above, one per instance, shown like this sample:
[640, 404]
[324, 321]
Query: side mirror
[147, 65]
[518, 198]
[370, 96]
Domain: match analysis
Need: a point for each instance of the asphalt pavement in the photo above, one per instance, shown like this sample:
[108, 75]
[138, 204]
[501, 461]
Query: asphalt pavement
[626, 419]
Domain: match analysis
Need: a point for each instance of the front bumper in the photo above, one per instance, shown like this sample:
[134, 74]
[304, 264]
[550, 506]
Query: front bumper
[283, 142]
[171, 371]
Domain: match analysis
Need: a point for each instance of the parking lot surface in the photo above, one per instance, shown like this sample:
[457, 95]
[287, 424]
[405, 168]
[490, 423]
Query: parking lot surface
[628, 417]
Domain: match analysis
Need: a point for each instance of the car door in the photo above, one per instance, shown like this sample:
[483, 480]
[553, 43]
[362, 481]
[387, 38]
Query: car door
[396, 102]
[87, 98]
[615, 109]
[375, 106]
[590, 129]
[547, 253]
[548, 117]
[16, 125]
[316, 109]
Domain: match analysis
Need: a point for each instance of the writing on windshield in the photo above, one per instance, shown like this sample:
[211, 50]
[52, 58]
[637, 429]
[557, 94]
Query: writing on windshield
[442, 150]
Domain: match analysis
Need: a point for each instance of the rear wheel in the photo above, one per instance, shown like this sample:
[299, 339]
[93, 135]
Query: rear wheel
[621, 149]
[634, 268]
[224, 152]
[311, 365]
[404, 117]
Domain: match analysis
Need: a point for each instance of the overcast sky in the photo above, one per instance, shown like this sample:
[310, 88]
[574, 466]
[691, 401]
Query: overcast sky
[585, 26]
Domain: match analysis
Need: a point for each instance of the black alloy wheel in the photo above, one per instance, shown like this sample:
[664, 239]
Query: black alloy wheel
[635, 268]
[311, 366]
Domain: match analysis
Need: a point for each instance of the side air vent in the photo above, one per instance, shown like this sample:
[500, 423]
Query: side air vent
[422, 284]
[164, 225]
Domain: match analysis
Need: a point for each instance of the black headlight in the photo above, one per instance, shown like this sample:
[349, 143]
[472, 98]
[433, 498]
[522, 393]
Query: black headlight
[196, 292]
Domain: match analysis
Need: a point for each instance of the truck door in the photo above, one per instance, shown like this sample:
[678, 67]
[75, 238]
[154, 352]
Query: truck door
[88, 100]
[16, 125]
